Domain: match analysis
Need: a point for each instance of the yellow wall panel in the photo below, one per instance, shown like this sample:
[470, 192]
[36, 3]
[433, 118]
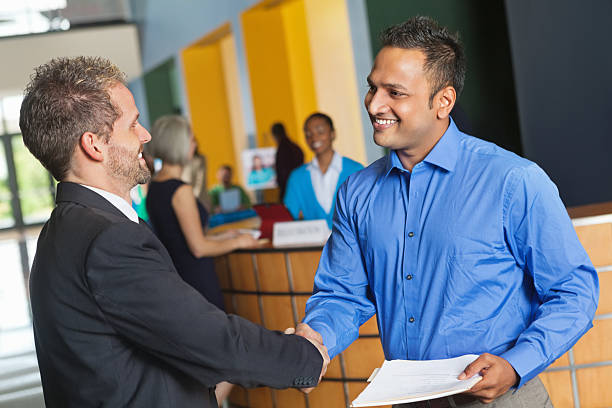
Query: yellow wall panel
[300, 69]
[335, 79]
[231, 82]
[208, 105]
[268, 64]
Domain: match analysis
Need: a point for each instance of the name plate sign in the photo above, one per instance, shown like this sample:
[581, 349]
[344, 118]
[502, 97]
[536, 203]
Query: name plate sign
[300, 233]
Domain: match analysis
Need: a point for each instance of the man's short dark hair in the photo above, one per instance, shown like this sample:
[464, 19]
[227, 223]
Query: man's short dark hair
[278, 131]
[65, 98]
[226, 167]
[320, 115]
[444, 57]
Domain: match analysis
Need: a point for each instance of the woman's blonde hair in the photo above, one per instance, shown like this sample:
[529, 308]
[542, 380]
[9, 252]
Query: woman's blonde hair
[170, 139]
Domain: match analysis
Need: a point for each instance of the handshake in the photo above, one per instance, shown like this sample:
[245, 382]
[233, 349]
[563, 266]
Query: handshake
[315, 338]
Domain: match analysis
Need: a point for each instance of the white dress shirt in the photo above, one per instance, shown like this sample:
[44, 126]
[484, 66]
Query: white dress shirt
[324, 185]
[120, 203]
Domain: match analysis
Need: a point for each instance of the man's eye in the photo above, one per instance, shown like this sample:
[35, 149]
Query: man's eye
[371, 88]
[396, 93]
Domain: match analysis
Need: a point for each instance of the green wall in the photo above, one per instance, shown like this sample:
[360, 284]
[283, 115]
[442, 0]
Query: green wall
[488, 97]
[161, 85]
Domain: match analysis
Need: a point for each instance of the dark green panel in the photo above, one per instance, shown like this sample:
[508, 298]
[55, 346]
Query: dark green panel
[161, 84]
[488, 97]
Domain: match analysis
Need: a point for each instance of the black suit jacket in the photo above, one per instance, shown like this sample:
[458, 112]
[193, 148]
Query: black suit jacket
[116, 326]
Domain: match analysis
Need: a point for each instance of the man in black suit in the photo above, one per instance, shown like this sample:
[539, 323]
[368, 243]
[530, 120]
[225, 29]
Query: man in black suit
[114, 324]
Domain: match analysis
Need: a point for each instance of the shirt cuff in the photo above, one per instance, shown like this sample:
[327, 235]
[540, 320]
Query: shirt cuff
[327, 333]
[526, 361]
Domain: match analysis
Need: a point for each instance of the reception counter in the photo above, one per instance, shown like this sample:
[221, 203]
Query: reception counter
[270, 287]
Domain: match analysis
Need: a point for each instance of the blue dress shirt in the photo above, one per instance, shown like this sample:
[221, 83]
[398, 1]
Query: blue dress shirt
[472, 252]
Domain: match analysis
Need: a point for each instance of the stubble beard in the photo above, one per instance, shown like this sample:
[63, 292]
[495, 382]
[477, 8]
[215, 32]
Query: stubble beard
[124, 164]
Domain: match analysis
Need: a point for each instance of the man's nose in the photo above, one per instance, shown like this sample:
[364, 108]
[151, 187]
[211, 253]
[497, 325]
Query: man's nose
[376, 103]
[145, 136]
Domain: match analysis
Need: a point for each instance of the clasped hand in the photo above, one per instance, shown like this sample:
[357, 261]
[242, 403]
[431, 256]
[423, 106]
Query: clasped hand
[315, 338]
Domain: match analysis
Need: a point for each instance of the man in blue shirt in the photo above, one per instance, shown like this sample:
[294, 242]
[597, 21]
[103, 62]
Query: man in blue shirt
[457, 245]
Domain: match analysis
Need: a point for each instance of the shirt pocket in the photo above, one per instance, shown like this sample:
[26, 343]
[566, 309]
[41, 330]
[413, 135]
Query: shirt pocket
[480, 300]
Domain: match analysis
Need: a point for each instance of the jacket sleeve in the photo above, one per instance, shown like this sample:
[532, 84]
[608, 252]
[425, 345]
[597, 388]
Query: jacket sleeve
[544, 244]
[340, 303]
[147, 303]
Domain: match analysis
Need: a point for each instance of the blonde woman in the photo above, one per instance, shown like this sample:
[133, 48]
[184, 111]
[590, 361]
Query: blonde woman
[178, 218]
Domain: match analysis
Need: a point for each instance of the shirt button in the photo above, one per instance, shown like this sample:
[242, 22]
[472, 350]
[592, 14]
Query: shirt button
[411, 320]
[411, 234]
[409, 277]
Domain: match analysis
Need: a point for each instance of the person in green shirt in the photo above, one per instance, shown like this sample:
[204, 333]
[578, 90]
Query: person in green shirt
[222, 195]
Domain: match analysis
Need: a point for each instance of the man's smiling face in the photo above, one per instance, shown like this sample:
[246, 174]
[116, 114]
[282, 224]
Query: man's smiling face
[398, 100]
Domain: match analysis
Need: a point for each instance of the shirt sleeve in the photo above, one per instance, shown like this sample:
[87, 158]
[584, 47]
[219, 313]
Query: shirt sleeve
[244, 198]
[340, 303]
[544, 243]
[214, 196]
[144, 300]
[292, 195]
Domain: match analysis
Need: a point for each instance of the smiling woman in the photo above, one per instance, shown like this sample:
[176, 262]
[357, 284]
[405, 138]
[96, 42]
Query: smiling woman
[312, 187]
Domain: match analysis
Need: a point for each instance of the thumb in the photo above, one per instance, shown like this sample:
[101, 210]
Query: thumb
[289, 330]
[474, 368]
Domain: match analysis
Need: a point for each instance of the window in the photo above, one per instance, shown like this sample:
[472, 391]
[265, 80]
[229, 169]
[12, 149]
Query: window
[26, 201]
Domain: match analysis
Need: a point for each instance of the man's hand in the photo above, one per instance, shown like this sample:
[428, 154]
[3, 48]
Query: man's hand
[315, 338]
[497, 377]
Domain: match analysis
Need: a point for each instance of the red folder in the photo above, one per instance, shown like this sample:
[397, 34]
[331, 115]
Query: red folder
[270, 214]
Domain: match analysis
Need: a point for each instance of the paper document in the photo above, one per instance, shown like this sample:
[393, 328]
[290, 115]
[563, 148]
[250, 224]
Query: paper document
[400, 381]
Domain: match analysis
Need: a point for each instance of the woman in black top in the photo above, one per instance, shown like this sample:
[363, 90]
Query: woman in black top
[176, 215]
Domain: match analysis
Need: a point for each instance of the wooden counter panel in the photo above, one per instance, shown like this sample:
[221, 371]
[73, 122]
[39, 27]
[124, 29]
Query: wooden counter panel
[594, 388]
[356, 388]
[272, 272]
[597, 241]
[369, 327]
[303, 268]
[290, 398]
[247, 306]
[277, 312]
[260, 397]
[596, 345]
[327, 394]
[562, 361]
[559, 386]
[300, 301]
[362, 357]
[605, 293]
[238, 396]
[223, 272]
[241, 271]
[334, 370]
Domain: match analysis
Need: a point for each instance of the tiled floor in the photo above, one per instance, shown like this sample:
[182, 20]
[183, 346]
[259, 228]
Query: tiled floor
[19, 377]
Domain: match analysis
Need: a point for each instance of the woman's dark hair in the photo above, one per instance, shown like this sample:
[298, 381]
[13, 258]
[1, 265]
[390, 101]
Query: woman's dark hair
[322, 116]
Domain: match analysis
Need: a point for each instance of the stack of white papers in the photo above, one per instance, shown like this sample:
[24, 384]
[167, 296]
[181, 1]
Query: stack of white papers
[401, 381]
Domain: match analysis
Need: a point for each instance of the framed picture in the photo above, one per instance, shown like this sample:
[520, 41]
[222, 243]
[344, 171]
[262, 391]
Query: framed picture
[258, 165]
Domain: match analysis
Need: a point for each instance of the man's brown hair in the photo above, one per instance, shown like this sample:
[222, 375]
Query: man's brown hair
[65, 98]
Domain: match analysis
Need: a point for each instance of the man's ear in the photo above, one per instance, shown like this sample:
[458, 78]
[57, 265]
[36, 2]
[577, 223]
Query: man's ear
[90, 143]
[444, 101]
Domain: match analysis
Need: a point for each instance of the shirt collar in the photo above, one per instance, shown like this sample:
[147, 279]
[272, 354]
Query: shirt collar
[118, 202]
[336, 163]
[444, 154]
